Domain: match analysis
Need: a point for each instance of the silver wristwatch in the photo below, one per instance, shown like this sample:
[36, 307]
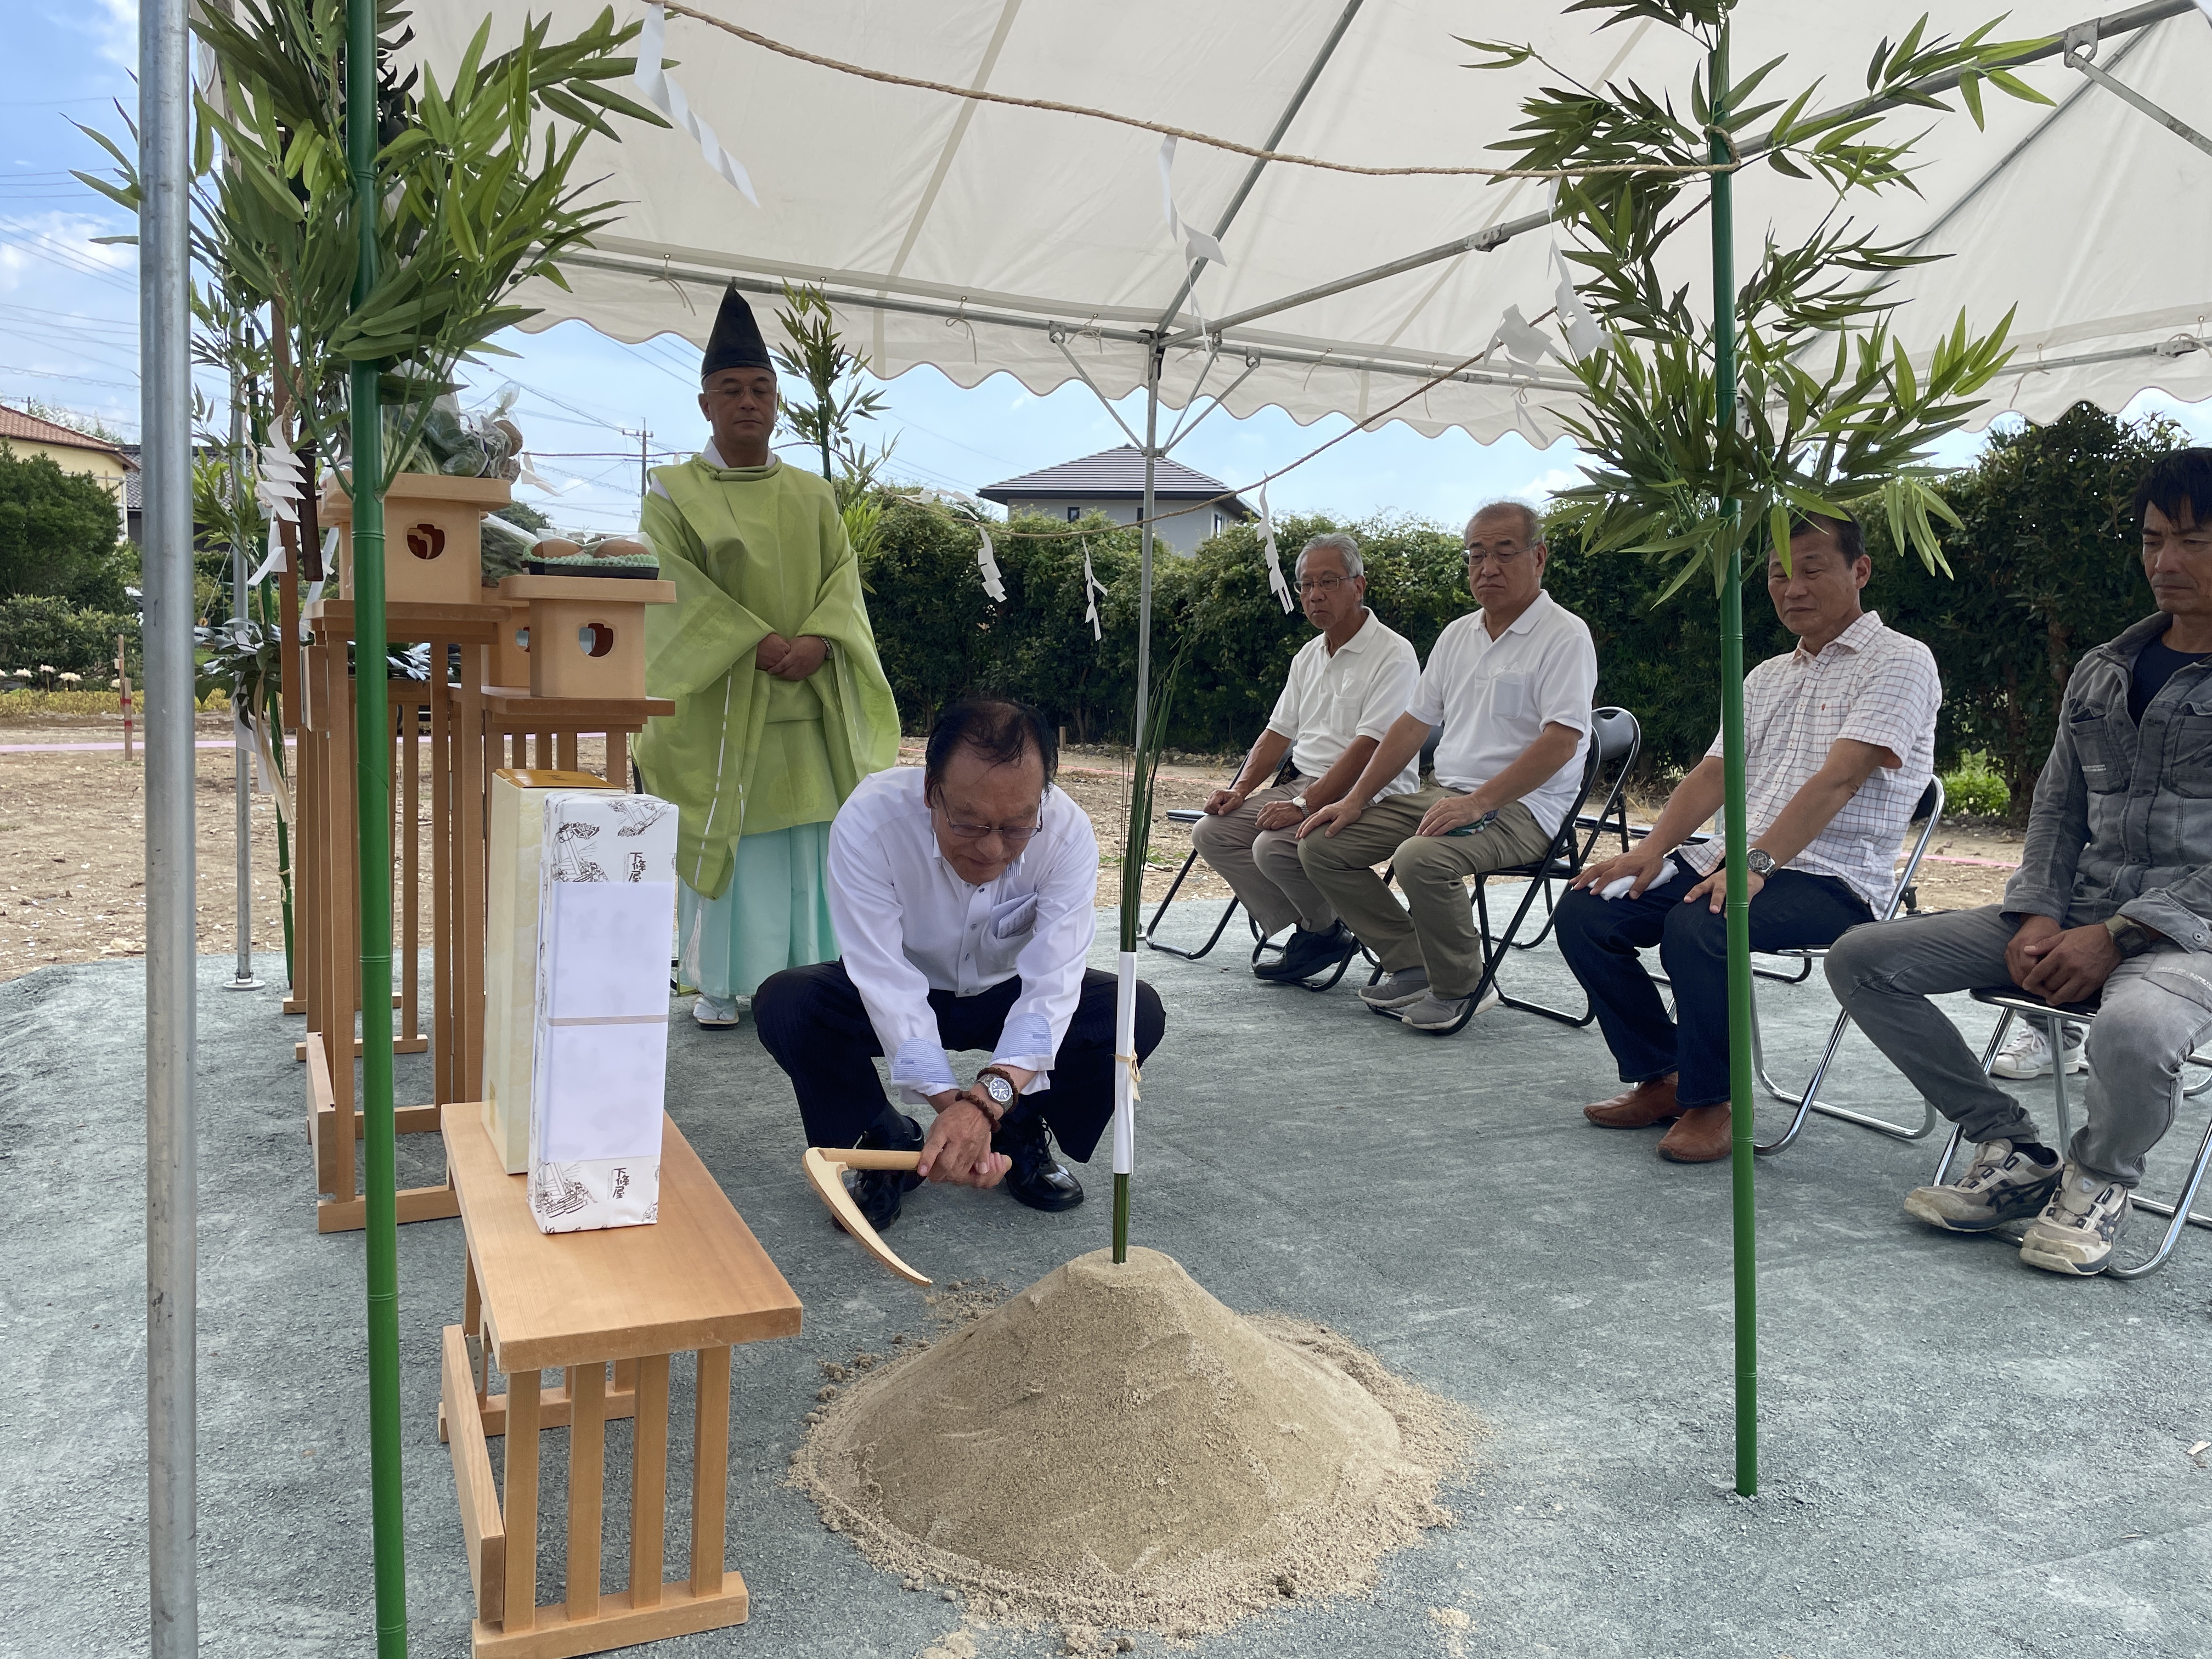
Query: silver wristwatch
[1298, 801]
[1000, 1091]
[1759, 862]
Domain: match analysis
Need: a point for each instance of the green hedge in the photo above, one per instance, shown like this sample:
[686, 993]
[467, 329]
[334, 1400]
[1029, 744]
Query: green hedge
[2044, 565]
[54, 631]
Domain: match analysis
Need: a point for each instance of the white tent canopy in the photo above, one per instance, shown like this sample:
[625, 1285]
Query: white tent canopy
[979, 238]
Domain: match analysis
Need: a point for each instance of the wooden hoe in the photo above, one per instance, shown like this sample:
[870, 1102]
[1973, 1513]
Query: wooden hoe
[825, 1168]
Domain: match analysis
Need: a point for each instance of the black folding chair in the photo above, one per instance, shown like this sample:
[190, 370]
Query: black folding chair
[1928, 812]
[1188, 816]
[2053, 1017]
[1616, 740]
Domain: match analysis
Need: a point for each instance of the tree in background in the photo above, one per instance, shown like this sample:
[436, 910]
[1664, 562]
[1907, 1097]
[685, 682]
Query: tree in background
[2045, 564]
[58, 534]
[834, 373]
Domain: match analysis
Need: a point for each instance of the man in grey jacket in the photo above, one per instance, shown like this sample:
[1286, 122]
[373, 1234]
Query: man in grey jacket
[2112, 902]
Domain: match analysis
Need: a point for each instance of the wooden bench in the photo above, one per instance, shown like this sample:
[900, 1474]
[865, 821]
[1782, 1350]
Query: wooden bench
[695, 1281]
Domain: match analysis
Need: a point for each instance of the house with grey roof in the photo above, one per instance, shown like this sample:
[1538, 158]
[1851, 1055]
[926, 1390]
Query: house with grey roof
[1112, 482]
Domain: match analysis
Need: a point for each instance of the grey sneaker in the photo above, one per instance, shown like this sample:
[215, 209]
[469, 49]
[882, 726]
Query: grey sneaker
[1399, 990]
[2079, 1226]
[2000, 1185]
[1435, 1013]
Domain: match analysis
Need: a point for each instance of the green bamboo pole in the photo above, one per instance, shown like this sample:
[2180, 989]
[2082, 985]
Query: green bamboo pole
[1739, 895]
[373, 803]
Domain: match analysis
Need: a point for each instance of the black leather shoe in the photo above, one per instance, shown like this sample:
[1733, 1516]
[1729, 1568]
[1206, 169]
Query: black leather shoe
[1037, 1179]
[877, 1192]
[1308, 955]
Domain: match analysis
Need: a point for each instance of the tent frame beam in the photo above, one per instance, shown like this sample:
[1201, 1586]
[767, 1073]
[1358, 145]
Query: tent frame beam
[1252, 173]
[1489, 240]
[2081, 46]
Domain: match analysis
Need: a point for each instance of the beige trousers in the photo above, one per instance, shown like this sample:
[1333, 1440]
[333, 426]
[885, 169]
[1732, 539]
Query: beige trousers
[1435, 928]
[1261, 866]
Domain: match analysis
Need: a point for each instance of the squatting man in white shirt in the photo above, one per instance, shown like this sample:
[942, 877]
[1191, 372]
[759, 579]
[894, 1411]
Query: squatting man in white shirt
[1512, 687]
[1839, 742]
[1345, 688]
[963, 894]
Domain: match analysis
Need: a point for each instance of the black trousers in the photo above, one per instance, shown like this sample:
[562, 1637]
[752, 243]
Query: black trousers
[813, 1021]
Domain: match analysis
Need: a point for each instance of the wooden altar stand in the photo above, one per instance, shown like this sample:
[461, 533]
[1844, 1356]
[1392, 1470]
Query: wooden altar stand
[451, 732]
[693, 1281]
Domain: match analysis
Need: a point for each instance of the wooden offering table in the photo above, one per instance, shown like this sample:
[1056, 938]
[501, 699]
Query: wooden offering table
[696, 1280]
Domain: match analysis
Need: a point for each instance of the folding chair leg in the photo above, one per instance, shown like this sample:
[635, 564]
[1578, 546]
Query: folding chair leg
[1989, 1058]
[2178, 1215]
[1809, 1102]
[1492, 958]
[1175, 887]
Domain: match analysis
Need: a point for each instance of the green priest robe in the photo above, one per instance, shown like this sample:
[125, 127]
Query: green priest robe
[755, 551]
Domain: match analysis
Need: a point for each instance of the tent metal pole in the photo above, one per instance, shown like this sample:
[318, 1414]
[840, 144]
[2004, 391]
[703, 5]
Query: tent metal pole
[172, 1012]
[242, 763]
[1742, 1096]
[2127, 94]
[372, 806]
[1252, 173]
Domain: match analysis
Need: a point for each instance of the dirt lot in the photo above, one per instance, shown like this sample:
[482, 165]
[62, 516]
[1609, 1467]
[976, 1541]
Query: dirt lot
[72, 844]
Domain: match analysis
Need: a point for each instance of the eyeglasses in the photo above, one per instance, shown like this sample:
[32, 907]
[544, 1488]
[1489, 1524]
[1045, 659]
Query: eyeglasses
[1500, 556]
[1320, 584]
[1013, 836]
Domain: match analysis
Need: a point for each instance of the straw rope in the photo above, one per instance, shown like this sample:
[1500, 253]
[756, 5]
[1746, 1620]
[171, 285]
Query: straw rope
[1288, 158]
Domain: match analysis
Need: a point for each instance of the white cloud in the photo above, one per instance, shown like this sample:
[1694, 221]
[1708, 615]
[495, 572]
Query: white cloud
[1546, 485]
[114, 25]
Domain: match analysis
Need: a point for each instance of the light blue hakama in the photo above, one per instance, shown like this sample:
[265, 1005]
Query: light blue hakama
[773, 914]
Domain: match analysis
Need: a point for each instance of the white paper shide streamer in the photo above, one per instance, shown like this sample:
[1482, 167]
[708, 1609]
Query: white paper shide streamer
[1584, 335]
[661, 91]
[1194, 243]
[1093, 591]
[1277, 584]
[987, 561]
[276, 484]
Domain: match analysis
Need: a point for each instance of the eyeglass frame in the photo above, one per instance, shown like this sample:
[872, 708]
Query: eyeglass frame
[1017, 837]
[1305, 584]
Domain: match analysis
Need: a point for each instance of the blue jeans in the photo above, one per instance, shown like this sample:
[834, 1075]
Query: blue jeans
[1600, 938]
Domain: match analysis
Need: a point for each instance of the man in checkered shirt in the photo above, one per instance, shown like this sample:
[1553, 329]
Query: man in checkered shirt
[1839, 742]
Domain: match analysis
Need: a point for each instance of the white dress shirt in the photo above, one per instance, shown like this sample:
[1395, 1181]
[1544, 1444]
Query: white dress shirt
[909, 924]
[1872, 684]
[1329, 700]
[1494, 698]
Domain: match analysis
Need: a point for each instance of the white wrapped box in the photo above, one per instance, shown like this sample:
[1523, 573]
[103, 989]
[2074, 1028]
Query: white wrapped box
[606, 915]
[514, 826]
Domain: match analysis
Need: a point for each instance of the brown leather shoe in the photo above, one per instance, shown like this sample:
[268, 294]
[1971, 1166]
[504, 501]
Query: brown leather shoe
[1647, 1103]
[1701, 1137]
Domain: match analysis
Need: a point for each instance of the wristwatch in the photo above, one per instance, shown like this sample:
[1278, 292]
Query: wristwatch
[999, 1090]
[1759, 862]
[2128, 936]
[1298, 801]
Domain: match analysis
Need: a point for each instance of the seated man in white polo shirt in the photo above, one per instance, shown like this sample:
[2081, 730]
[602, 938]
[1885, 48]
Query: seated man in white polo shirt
[1512, 687]
[1839, 740]
[1345, 688]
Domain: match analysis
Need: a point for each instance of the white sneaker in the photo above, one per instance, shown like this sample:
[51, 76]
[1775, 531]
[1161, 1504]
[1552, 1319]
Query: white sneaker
[2077, 1229]
[2027, 1055]
[716, 1013]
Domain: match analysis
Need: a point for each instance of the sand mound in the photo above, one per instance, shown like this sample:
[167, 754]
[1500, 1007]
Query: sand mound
[1114, 1446]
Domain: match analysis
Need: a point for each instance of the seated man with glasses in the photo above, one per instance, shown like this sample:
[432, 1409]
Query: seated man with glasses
[1345, 688]
[963, 893]
[1511, 686]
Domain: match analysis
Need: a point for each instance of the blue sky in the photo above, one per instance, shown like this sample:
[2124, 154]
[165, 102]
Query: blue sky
[68, 336]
